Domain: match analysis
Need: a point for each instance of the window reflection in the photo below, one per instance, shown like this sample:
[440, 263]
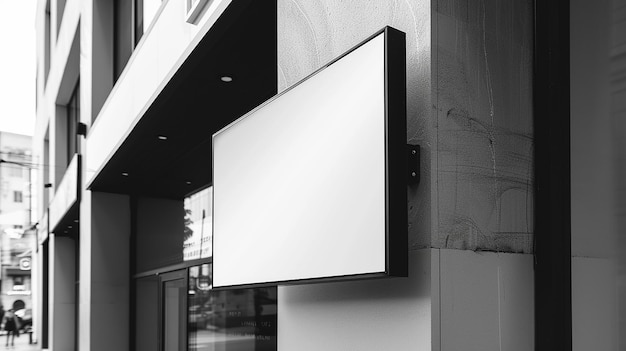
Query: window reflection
[198, 225]
[232, 320]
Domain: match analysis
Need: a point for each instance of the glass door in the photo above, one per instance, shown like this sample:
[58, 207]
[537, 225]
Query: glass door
[174, 311]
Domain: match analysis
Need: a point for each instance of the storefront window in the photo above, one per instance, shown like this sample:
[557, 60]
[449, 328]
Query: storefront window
[198, 225]
[243, 319]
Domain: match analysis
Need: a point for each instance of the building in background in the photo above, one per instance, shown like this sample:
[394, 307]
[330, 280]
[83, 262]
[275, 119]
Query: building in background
[17, 235]
[130, 93]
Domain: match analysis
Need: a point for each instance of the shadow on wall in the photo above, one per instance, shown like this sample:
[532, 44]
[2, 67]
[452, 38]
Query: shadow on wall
[395, 312]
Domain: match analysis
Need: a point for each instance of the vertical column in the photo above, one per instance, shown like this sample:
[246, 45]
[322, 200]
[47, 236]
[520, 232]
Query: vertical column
[593, 227]
[104, 274]
[618, 114]
[40, 295]
[62, 321]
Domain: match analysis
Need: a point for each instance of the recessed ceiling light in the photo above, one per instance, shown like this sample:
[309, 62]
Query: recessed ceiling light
[76, 221]
[65, 231]
[188, 182]
[162, 137]
[226, 79]
[125, 174]
[69, 227]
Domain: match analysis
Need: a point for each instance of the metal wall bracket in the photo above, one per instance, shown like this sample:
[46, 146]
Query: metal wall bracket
[81, 129]
[413, 164]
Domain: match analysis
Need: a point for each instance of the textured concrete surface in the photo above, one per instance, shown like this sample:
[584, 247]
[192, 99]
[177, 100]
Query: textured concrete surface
[469, 106]
[483, 95]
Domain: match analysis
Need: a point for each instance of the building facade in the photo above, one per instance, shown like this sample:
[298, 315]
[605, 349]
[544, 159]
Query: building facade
[131, 92]
[17, 235]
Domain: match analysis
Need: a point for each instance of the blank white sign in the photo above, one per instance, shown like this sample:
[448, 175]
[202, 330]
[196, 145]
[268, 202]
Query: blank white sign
[299, 182]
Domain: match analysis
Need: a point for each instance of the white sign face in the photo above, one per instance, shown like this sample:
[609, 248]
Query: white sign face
[299, 183]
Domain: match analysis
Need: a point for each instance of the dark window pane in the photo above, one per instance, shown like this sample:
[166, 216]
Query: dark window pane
[17, 196]
[145, 11]
[123, 41]
[73, 117]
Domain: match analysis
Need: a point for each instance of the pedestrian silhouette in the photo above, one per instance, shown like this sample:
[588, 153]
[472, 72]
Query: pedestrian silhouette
[11, 326]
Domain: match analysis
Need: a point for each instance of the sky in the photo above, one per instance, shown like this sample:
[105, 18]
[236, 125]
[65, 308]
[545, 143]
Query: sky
[17, 66]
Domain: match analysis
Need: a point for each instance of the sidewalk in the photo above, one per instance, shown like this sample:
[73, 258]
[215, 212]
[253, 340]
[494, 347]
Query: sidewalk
[20, 344]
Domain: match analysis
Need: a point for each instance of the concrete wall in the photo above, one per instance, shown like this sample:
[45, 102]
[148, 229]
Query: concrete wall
[54, 92]
[469, 70]
[477, 142]
[104, 271]
[482, 93]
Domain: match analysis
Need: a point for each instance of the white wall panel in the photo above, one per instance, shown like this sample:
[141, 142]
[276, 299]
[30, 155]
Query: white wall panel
[594, 312]
[487, 301]
[387, 314]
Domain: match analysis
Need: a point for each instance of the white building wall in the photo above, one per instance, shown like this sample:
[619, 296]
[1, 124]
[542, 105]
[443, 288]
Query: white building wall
[55, 91]
[74, 52]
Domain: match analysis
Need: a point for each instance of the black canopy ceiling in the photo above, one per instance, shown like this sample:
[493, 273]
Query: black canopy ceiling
[195, 104]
